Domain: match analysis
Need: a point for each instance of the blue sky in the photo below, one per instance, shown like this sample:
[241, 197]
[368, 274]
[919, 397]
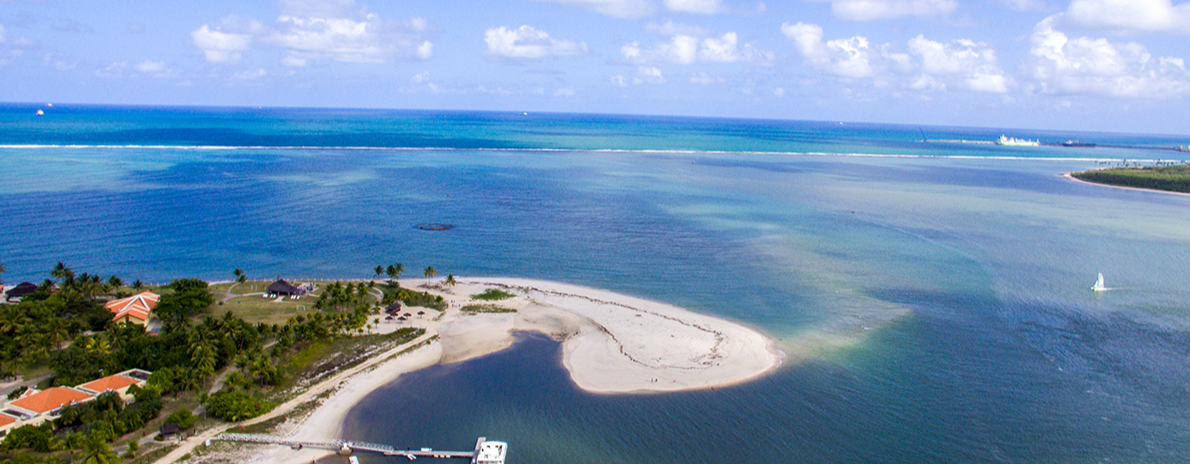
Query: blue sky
[1108, 65]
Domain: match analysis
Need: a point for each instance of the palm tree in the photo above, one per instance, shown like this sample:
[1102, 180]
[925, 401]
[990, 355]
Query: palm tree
[1, 271]
[75, 440]
[59, 271]
[137, 285]
[115, 282]
[12, 320]
[430, 273]
[55, 330]
[450, 280]
[379, 270]
[98, 450]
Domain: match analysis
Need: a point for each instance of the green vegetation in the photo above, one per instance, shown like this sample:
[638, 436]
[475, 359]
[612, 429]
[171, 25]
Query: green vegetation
[411, 298]
[262, 349]
[237, 406]
[487, 308]
[492, 294]
[1174, 178]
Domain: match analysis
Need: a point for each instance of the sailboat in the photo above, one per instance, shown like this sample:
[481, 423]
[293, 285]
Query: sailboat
[1099, 284]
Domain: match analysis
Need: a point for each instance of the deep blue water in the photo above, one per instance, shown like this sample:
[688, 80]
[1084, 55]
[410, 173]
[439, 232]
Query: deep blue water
[933, 298]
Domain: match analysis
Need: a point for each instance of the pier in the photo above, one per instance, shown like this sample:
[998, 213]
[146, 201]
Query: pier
[347, 447]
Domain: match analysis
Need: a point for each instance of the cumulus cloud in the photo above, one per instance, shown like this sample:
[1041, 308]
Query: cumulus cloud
[842, 57]
[869, 10]
[670, 28]
[219, 46]
[702, 7]
[527, 42]
[963, 63]
[366, 39]
[648, 75]
[151, 67]
[684, 50]
[1061, 65]
[309, 30]
[1130, 16]
[623, 9]
[1024, 5]
[925, 65]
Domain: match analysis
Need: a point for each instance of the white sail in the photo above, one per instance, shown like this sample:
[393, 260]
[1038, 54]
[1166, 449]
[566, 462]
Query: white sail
[1099, 284]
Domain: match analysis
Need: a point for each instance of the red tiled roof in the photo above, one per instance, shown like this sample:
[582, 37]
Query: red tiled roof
[138, 306]
[6, 420]
[50, 399]
[113, 382]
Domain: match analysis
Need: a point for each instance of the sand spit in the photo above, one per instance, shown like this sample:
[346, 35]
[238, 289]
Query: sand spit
[611, 343]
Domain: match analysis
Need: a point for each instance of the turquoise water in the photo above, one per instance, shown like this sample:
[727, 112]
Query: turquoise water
[933, 298]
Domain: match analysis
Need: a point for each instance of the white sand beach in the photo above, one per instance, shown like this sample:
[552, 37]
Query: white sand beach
[611, 343]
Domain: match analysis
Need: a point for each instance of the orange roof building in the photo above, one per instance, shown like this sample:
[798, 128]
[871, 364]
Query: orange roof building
[118, 383]
[48, 400]
[135, 309]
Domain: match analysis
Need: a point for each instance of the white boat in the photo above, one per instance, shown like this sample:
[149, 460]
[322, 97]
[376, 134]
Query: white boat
[1014, 142]
[1099, 284]
[492, 452]
[39, 112]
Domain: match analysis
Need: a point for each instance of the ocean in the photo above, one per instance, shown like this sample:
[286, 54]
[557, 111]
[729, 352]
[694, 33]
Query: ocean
[933, 298]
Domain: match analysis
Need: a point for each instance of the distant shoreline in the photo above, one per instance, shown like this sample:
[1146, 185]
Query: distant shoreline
[1070, 176]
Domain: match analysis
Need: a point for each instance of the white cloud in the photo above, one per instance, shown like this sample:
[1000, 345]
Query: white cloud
[927, 65]
[113, 70]
[702, 78]
[424, 76]
[527, 42]
[312, 30]
[218, 46]
[1130, 16]
[868, 10]
[964, 63]
[849, 58]
[623, 9]
[1024, 5]
[1061, 65]
[682, 49]
[150, 66]
[648, 75]
[618, 80]
[366, 39]
[670, 28]
[702, 7]
[564, 92]
[249, 75]
[779, 92]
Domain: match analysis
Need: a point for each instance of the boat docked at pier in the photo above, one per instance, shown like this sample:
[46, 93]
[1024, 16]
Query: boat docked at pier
[1014, 142]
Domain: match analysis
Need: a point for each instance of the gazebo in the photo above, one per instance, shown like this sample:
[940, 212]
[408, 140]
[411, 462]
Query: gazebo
[283, 288]
[21, 290]
[393, 309]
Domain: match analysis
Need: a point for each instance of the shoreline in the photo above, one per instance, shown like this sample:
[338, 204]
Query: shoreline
[1070, 176]
[611, 343]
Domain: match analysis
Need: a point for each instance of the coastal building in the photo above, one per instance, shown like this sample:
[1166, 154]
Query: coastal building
[7, 423]
[35, 407]
[119, 383]
[39, 406]
[20, 290]
[283, 288]
[135, 309]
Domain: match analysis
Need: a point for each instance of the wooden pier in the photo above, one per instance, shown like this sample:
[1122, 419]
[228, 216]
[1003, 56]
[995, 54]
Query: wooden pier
[347, 447]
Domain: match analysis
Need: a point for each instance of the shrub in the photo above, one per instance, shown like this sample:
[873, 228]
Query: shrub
[492, 294]
[237, 406]
[183, 418]
[28, 437]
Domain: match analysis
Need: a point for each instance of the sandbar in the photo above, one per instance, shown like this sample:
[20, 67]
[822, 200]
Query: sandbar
[611, 344]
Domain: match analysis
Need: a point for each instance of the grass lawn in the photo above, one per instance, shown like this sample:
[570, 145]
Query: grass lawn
[258, 309]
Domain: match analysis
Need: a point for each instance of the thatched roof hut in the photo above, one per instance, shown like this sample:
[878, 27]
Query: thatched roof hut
[281, 287]
[21, 290]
